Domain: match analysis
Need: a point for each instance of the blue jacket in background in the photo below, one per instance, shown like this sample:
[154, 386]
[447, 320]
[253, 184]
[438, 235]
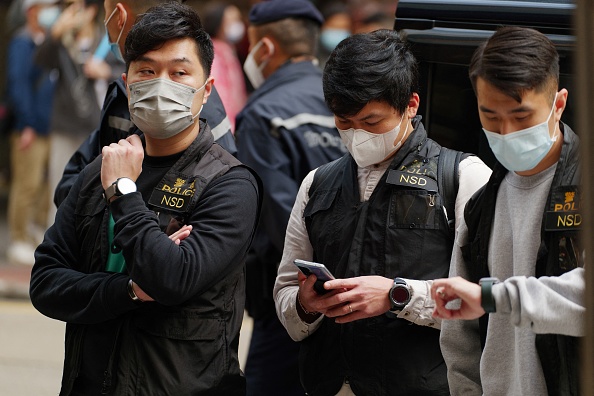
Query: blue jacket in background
[284, 131]
[29, 89]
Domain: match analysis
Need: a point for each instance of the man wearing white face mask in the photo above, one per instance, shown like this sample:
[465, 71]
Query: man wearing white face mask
[284, 131]
[115, 121]
[377, 219]
[519, 238]
[145, 262]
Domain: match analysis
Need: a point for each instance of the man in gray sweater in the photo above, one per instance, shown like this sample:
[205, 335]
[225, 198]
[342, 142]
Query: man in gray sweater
[522, 228]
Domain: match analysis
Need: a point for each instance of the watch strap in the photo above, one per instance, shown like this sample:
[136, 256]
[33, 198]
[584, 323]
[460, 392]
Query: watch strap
[111, 191]
[487, 299]
[131, 292]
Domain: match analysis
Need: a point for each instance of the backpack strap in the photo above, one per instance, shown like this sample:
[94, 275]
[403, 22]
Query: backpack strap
[447, 180]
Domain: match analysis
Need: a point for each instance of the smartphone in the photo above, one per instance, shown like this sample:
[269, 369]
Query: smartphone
[319, 270]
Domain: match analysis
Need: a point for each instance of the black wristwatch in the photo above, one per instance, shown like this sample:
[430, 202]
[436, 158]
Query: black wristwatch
[120, 187]
[400, 295]
[487, 300]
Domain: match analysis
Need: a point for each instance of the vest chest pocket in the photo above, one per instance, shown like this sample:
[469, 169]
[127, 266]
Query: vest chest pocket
[414, 209]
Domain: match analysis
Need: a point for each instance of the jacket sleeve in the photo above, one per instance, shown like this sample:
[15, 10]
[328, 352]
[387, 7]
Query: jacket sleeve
[297, 246]
[460, 339]
[223, 222]
[62, 292]
[547, 305]
[86, 153]
[20, 85]
[264, 153]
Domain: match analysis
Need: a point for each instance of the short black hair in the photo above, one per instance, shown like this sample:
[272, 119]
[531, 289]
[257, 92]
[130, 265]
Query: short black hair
[166, 22]
[296, 36]
[516, 60]
[366, 67]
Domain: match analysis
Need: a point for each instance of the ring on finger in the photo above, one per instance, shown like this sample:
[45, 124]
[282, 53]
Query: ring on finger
[350, 308]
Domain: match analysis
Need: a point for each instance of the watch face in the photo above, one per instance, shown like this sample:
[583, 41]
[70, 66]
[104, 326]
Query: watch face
[400, 294]
[126, 186]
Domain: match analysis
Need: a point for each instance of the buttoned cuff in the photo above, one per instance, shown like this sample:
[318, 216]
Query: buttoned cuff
[421, 306]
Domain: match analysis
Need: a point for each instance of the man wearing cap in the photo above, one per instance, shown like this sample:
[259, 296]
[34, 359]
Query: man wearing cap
[29, 92]
[115, 121]
[284, 131]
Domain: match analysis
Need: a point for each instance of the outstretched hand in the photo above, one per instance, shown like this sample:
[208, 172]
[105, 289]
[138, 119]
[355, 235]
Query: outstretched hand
[445, 290]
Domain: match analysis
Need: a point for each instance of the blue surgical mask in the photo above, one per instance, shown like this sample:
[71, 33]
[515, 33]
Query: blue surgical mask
[48, 16]
[523, 150]
[115, 47]
[329, 38]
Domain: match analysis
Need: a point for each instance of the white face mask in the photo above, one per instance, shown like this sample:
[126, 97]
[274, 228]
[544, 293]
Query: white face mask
[371, 148]
[162, 108]
[234, 31]
[251, 68]
[523, 150]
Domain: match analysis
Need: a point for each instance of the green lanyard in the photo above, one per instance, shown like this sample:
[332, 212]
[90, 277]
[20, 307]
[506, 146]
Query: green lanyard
[115, 261]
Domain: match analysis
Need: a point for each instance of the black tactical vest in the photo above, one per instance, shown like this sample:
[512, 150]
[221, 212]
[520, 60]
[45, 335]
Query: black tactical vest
[559, 252]
[401, 231]
[173, 199]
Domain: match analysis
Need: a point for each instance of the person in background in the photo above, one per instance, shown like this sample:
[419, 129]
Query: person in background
[67, 51]
[377, 219]
[520, 234]
[29, 92]
[337, 26]
[284, 131]
[115, 121]
[224, 23]
[146, 315]
[371, 15]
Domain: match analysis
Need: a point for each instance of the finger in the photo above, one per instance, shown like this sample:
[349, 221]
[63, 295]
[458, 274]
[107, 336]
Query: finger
[348, 283]
[134, 140]
[301, 277]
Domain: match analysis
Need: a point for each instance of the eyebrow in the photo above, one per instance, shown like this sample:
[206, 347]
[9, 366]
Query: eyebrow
[148, 59]
[521, 109]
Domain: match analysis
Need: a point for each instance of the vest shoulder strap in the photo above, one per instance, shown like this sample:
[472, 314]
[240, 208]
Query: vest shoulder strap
[447, 180]
[324, 171]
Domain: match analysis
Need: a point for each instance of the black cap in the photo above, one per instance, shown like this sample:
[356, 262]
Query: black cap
[274, 10]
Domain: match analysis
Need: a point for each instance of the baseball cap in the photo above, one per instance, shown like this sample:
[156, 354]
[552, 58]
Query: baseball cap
[274, 10]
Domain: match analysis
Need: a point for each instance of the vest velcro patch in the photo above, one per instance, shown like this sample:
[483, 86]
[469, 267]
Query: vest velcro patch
[174, 193]
[564, 211]
[407, 179]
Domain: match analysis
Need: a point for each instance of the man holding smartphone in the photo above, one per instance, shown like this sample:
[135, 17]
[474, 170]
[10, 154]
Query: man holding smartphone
[376, 219]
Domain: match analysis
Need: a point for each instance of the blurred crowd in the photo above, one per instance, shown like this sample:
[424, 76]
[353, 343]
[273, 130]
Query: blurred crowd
[60, 62]
[60, 52]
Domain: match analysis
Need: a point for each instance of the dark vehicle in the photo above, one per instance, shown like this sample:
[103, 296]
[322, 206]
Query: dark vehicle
[443, 35]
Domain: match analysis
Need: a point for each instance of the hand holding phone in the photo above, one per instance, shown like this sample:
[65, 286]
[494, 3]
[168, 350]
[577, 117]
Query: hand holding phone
[319, 270]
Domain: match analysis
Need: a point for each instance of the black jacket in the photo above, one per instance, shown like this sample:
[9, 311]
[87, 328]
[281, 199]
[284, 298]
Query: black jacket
[559, 241]
[186, 342]
[115, 124]
[401, 231]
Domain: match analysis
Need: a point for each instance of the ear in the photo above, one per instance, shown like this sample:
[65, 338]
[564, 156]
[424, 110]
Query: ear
[413, 105]
[267, 48]
[208, 89]
[122, 15]
[560, 103]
